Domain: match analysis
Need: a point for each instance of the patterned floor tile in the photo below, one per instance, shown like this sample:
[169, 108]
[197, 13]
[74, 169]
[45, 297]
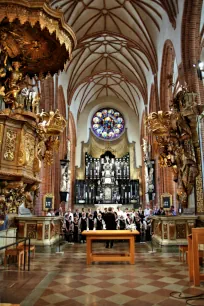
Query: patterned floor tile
[87, 299]
[131, 284]
[137, 302]
[163, 273]
[69, 302]
[120, 299]
[147, 288]
[158, 284]
[134, 293]
[68, 281]
[41, 302]
[163, 292]
[103, 284]
[143, 280]
[175, 287]
[71, 293]
[103, 303]
[169, 280]
[117, 288]
[172, 302]
[54, 298]
[90, 281]
[152, 297]
[103, 293]
[116, 281]
[88, 289]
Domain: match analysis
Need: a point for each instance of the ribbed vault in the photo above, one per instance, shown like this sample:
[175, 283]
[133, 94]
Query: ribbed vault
[116, 46]
[107, 83]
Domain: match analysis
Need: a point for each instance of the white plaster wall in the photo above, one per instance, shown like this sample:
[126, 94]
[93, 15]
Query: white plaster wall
[202, 17]
[168, 32]
[84, 124]
[63, 81]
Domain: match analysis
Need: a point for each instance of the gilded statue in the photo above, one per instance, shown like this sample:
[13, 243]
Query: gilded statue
[13, 84]
[2, 91]
[2, 95]
[175, 133]
[36, 104]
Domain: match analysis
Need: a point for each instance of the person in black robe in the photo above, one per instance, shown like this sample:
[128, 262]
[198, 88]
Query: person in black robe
[83, 226]
[110, 225]
[76, 229]
[90, 222]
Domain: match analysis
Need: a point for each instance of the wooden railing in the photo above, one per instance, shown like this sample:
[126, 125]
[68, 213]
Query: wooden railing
[194, 242]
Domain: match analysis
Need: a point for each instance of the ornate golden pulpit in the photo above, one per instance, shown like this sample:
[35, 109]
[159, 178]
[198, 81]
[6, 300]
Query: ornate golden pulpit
[35, 42]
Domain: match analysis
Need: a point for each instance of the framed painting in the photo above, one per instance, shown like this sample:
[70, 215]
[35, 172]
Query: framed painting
[166, 200]
[48, 201]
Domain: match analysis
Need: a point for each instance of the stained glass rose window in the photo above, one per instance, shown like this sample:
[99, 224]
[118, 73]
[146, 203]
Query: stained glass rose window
[108, 123]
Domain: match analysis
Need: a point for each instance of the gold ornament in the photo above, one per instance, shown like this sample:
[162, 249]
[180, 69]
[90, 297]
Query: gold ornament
[177, 137]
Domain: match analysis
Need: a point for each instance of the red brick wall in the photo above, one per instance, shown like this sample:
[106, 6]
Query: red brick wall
[191, 50]
[50, 175]
[166, 182]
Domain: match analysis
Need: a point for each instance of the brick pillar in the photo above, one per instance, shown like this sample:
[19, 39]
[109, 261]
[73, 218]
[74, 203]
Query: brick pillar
[191, 50]
[47, 173]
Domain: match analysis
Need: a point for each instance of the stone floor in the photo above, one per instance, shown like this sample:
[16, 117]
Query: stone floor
[65, 279]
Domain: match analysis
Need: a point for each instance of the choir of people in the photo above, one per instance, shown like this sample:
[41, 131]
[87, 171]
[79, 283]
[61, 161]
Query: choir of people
[75, 223]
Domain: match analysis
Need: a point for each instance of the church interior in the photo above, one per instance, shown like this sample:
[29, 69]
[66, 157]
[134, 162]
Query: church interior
[101, 117]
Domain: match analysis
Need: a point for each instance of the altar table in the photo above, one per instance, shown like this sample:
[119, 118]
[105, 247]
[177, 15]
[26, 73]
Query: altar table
[110, 235]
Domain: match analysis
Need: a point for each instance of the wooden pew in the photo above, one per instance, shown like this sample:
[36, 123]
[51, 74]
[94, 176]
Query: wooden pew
[7, 304]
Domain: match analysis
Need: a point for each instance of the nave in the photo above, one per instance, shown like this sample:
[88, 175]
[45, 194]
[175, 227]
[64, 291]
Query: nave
[66, 280]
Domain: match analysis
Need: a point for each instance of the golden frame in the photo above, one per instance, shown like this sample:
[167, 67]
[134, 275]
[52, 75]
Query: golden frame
[51, 198]
[166, 198]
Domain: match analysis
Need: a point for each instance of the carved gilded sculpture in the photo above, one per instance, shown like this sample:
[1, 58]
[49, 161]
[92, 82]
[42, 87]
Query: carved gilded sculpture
[176, 135]
[35, 42]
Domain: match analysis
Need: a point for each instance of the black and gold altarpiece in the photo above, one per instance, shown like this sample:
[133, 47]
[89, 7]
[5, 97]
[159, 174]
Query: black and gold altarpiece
[107, 181]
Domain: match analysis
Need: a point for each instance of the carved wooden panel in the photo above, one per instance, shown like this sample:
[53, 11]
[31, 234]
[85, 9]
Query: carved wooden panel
[10, 145]
[21, 227]
[1, 133]
[46, 235]
[180, 231]
[40, 231]
[165, 228]
[172, 230]
[160, 229]
[30, 149]
[199, 185]
[31, 231]
[156, 228]
[57, 228]
[52, 229]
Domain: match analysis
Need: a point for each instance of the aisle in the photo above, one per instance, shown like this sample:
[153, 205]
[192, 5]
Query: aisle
[66, 280]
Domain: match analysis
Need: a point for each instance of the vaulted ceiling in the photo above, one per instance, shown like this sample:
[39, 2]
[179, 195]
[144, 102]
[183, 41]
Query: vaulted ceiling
[116, 49]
